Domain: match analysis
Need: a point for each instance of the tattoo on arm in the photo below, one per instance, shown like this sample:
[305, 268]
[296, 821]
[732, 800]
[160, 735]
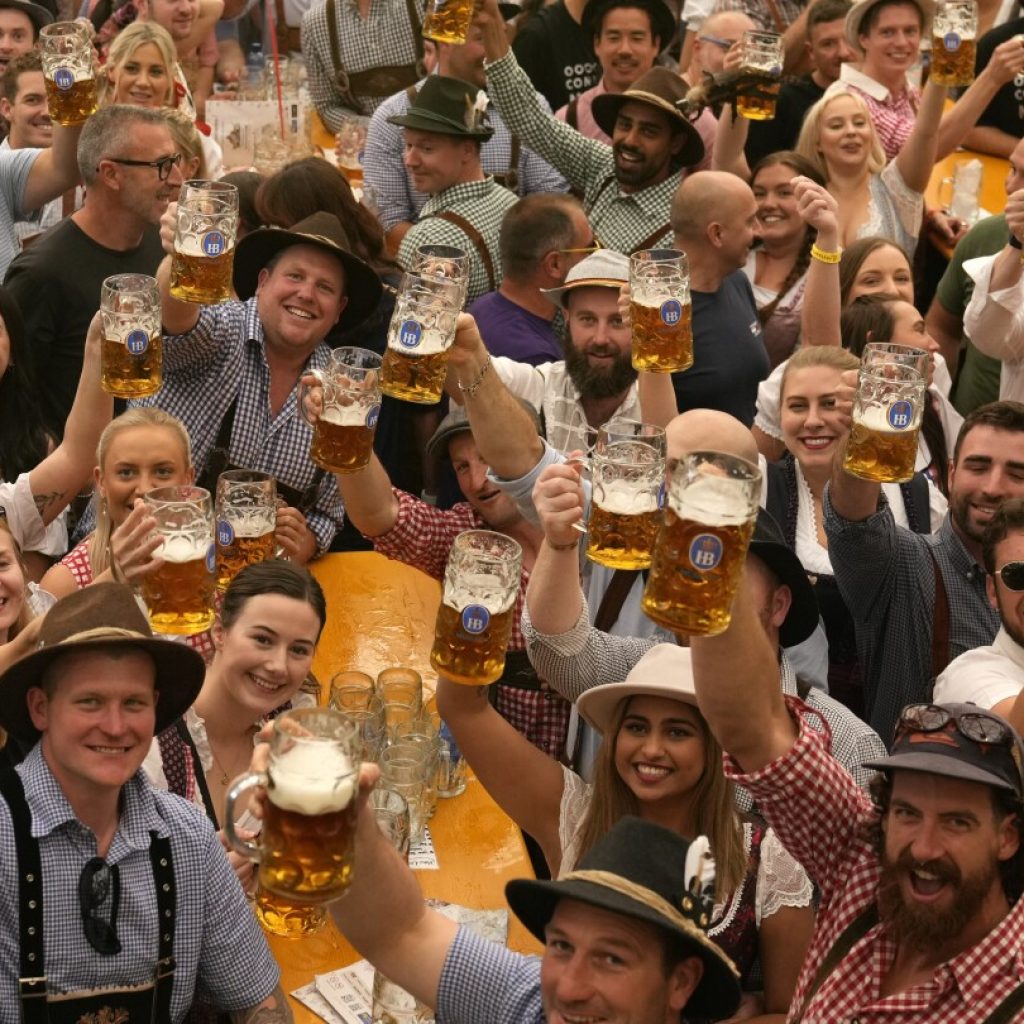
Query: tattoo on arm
[46, 501]
[273, 1010]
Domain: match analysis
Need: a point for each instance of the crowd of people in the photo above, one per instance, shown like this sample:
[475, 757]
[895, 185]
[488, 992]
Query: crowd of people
[847, 751]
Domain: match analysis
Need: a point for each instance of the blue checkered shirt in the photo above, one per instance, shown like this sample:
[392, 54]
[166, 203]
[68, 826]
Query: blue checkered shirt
[221, 953]
[220, 360]
[484, 983]
[393, 193]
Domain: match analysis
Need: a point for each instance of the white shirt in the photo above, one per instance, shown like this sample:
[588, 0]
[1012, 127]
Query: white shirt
[994, 321]
[25, 523]
[984, 676]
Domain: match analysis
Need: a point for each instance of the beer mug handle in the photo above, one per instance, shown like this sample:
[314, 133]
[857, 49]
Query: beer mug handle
[308, 406]
[246, 847]
[946, 200]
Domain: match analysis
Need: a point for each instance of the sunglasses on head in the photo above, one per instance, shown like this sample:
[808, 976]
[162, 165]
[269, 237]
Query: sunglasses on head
[1012, 575]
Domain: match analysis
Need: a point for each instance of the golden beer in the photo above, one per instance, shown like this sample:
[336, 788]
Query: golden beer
[622, 537]
[285, 917]
[132, 368]
[415, 377]
[759, 106]
[470, 642]
[953, 60]
[203, 278]
[353, 173]
[882, 451]
[238, 545]
[448, 21]
[179, 594]
[343, 438]
[662, 336]
[71, 103]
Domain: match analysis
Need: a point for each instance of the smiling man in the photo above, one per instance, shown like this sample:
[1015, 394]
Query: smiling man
[20, 22]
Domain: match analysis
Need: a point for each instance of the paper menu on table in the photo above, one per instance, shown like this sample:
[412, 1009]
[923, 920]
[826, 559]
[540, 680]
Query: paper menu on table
[422, 855]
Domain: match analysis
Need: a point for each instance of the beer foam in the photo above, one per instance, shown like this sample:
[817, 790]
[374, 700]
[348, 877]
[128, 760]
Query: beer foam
[711, 500]
[180, 549]
[622, 499]
[312, 778]
[483, 593]
[353, 415]
[432, 342]
[252, 525]
[875, 418]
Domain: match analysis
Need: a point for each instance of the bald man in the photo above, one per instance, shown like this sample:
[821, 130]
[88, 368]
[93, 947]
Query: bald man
[717, 33]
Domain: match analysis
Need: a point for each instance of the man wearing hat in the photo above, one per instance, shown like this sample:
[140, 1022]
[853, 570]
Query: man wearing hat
[20, 22]
[627, 187]
[443, 128]
[920, 917]
[231, 371]
[118, 900]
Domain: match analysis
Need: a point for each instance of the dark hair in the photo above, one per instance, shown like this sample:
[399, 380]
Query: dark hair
[605, 8]
[874, 13]
[247, 183]
[821, 12]
[853, 259]
[1003, 415]
[1008, 518]
[312, 185]
[535, 226]
[275, 576]
[30, 61]
[24, 437]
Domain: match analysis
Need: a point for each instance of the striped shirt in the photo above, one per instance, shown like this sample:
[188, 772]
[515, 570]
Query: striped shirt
[620, 220]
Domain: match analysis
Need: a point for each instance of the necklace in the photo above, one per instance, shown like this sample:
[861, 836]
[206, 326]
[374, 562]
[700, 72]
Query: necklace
[225, 775]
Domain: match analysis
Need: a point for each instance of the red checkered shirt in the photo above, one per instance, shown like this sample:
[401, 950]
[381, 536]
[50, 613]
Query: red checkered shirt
[821, 815]
[892, 116]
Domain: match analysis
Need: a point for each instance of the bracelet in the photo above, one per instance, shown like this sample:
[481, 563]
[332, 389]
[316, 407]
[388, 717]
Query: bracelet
[564, 547]
[1015, 242]
[822, 256]
[471, 389]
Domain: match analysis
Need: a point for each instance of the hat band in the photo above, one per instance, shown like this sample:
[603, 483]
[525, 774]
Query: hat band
[649, 898]
[102, 633]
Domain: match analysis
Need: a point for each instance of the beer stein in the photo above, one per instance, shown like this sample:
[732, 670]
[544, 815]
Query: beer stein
[400, 685]
[451, 766]
[442, 261]
[246, 510]
[403, 768]
[421, 734]
[565, 426]
[702, 544]
[448, 21]
[351, 143]
[392, 814]
[422, 330]
[204, 242]
[660, 310]
[881, 353]
[65, 49]
[474, 621]
[351, 689]
[887, 412]
[286, 917]
[179, 593]
[130, 308]
[954, 35]
[628, 477]
[350, 407]
[305, 850]
[762, 54]
[369, 720]
[960, 194]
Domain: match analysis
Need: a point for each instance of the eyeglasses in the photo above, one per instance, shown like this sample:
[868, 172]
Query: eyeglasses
[163, 165]
[725, 44]
[98, 881]
[595, 244]
[980, 728]
[1012, 575]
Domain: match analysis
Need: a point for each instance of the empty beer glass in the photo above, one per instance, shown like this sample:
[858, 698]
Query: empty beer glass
[246, 516]
[442, 261]
[204, 242]
[762, 56]
[954, 33]
[352, 689]
[403, 768]
[66, 51]
[474, 621]
[130, 310]
[448, 21]
[628, 477]
[392, 813]
[702, 543]
[422, 330]
[350, 406]
[179, 593]
[305, 850]
[660, 310]
[887, 411]
[879, 353]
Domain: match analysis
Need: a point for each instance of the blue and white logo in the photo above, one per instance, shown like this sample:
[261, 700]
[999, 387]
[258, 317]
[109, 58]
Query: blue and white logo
[63, 78]
[901, 415]
[671, 312]
[951, 41]
[225, 535]
[372, 415]
[410, 333]
[211, 558]
[475, 619]
[705, 552]
[137, 342]
[214, 243]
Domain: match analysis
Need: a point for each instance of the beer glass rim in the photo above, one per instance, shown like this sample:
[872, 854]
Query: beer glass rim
[446, 252]
[63, 28]
[401, 669]
[647, 256]
[618, 430]
[246, 476]
[761, 36]
[353, 672]
[338, 355]
[892, 373]
[177, 494]
[337, 728]
[210, 185]
[129, 283]
[466, 538]
[738, 467]
[894, 348]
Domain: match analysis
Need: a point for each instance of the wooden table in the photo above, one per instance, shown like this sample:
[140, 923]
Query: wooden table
[993, 193]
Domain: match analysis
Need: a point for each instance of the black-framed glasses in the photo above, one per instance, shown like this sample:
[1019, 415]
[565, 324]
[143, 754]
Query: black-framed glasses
[975, 725]
[163, 165]
[1012, 575]
[97, 882]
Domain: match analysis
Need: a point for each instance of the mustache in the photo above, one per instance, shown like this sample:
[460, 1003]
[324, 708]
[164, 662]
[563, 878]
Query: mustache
[943, 870]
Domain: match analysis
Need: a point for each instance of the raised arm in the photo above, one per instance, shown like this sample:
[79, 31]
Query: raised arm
[917, 158]
[55, 169]
[730, 140]
[822, 306]
[178, 317]
[852, 498]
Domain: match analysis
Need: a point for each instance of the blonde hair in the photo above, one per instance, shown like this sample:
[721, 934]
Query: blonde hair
[713, 798]
[99, 546]
[126, 42]
[818, 355]
[187, 139]
[809, 143]
[26, 615]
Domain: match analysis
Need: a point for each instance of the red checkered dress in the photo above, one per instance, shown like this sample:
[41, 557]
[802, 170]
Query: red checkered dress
[892, 117]
[422, 537]
[821, 814]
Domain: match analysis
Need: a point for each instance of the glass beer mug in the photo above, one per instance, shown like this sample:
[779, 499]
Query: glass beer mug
[628, 474]
[474, 621]
[131, 361]
[349, 409]
[305, 849]
[204, 242]
[65, 48]
[448, 21]
[179, 593]
[246, 511]
[887, 412]
[954, 34]
[702, 545]
[762, 55]
[660, 310]
[442, 261]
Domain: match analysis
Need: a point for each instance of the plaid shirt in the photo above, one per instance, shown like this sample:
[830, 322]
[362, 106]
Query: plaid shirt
[384, 38]
[892, 116]
[620, 220]
[821, 816]
[220, 950]
[395, 196]
[483, 204]
[885, 575]
[760, 11]
[221, 360]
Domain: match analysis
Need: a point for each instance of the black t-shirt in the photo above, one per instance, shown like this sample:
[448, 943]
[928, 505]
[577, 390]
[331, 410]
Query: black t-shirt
[1006, 111]
[557, 54]
[729, 357]
[795, 98]
[56, 283]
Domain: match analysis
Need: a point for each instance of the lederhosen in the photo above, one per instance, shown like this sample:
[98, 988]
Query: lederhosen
[150, 1004]
[651, 238]
[374, 83]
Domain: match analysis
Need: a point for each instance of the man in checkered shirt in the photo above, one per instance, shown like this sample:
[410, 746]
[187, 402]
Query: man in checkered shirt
[920, 917]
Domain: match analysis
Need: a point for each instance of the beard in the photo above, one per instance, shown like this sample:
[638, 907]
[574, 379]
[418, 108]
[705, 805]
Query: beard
[599, 381]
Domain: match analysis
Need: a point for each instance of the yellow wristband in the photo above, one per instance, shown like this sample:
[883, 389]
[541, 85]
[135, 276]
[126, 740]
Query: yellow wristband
[825, 257]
